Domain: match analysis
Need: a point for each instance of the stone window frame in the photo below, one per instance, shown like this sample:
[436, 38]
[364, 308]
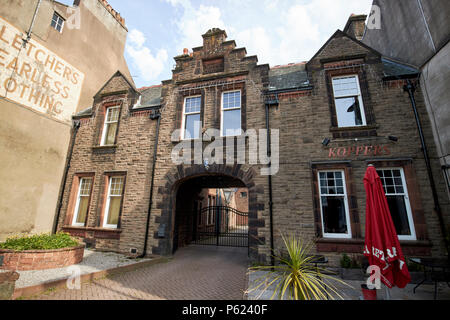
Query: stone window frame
[222, 111]
[218, 106]
[101, 123]
[183, 117]
[179, 122]
[348, 234]
[73, 195]
[353, 213]
[347, 70]
[104, 198]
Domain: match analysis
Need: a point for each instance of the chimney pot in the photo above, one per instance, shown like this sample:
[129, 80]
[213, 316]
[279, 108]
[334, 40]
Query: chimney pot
[185, 51]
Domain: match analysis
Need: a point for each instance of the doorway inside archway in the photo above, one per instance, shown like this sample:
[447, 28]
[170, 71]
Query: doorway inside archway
[211, 211]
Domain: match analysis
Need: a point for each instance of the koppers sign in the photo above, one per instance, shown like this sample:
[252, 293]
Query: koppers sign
[35, 77]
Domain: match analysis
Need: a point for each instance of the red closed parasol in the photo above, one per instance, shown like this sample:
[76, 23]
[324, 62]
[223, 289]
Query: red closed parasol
[382, 247]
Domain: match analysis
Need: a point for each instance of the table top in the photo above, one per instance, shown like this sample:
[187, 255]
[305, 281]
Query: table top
[432, 262]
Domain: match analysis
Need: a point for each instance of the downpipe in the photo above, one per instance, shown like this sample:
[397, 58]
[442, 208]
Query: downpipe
[410, 88]
[156, 115]
[269, 154]
[76, 126]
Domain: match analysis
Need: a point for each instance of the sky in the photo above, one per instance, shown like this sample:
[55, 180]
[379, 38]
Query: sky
[277, 31]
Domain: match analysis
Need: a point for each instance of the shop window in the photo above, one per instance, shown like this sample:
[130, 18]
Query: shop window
[57, 22]
[110, 126]
[231, 114]
[113, 202]
[82, 202]
[395, 188]
[191, 126]
[348, 101]
[334, 205]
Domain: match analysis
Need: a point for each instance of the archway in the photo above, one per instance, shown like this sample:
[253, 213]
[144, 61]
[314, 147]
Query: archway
[213, 176]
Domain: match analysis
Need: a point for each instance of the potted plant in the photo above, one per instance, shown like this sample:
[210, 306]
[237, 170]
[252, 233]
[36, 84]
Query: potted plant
[295, 276]
[351, 268]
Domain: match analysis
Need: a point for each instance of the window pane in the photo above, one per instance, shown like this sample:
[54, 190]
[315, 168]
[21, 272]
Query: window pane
[111, 134]
[85, 188]
[346, 86]
[116, 186]
[348, 112]
[113, 115]
[83, 208]
[114, 210]
[334, 216]
[193, 126]
[231, 100]
[231, 123]
[397, 207]
[332, 183]
[193, 105]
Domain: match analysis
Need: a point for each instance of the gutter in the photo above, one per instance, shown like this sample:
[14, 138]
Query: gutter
[155, 115]
[269, 154]
[410, 88]
[76, 126]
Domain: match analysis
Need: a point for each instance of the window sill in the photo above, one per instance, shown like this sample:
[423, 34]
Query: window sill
[354, 132]
[104, 149]
[98, 233]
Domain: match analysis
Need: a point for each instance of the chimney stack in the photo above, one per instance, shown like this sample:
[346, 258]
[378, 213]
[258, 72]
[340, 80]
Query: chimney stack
[356, 26]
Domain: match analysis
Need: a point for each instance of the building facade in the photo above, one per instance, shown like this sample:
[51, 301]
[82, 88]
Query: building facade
[46, 76]
[135, 166]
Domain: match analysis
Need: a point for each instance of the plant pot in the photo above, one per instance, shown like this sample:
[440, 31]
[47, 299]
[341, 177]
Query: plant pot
[368, 294]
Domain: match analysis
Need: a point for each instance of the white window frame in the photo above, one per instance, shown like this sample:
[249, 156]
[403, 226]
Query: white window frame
[413, 236]
[347, 235]
[108, 200]
[185, 114]
[107, 123]
[360, 100]
[59, 19]
[222, 111]
[77, 205]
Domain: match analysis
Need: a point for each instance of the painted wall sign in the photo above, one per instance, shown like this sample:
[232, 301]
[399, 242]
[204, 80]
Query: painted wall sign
[359, 151]
[35, 77]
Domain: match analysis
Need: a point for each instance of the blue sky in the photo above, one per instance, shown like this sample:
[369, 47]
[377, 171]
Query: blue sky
[277, 31]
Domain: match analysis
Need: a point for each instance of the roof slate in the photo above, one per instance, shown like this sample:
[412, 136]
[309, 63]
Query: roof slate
[393, 68]
[150, 97]
[288, 77]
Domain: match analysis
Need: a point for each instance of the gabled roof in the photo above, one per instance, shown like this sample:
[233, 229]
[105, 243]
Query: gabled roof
[342, 34]
[118, 73]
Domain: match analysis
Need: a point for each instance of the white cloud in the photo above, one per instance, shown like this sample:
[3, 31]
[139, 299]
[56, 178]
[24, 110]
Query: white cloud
[148, 65]
[195, 22]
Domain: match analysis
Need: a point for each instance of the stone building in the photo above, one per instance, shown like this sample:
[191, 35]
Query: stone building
[52, 62]
[127, 189]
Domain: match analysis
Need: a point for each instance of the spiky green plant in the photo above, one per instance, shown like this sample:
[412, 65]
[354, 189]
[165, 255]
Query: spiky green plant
[296, 276]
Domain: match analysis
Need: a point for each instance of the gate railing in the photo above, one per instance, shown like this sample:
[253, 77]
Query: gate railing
[221, 226]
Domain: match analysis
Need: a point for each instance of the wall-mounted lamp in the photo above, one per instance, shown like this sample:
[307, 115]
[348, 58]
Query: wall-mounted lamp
[392, 138]
[326, 142]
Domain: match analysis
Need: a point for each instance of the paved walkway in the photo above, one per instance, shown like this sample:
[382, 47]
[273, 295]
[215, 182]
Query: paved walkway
[195, 273]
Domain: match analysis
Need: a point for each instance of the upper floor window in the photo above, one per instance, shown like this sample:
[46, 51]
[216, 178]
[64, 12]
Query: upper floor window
[394, 185]
[110, 126]
[334, 205]
[113, 202]
[82, 204]
[191, 118]
[231, 113]
[348, 102]
[57, 22]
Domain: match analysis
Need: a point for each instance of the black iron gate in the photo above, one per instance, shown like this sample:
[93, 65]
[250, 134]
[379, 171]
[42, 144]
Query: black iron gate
[220, 226]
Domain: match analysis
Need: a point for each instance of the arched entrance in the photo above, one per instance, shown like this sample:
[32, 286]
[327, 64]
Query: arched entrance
[211, 210]
[184, 180]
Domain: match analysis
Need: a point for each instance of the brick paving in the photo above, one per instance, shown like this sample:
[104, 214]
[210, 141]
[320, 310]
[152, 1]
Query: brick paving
[194, 273]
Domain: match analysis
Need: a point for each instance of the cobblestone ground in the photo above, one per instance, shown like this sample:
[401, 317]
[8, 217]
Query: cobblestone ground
[195, 273]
